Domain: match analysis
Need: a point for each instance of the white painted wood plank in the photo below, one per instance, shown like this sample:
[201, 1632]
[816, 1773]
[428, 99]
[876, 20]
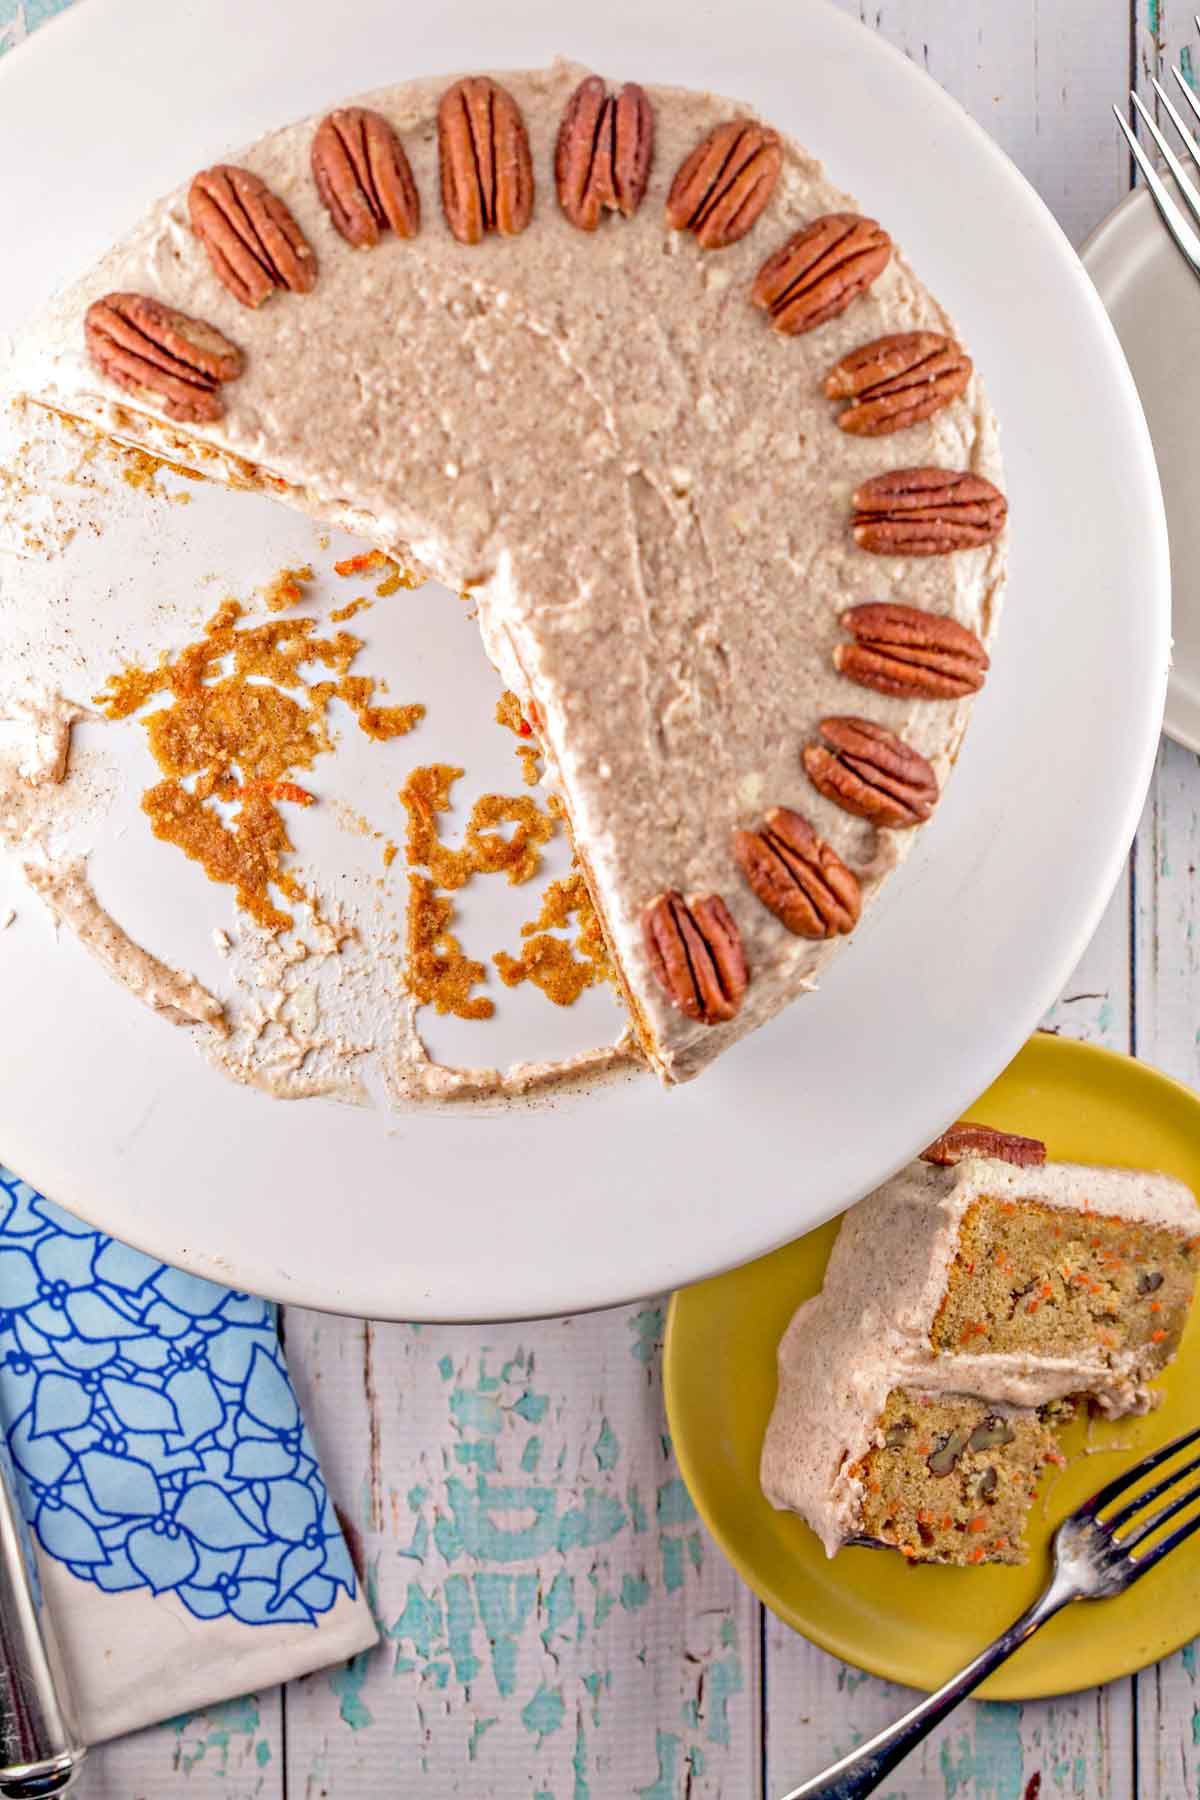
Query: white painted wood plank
[1167, 978]
[230, 1752]
[1167, 981]
[556, 1620]
[1167, 988]
[1040, 80]
[1096, 1004]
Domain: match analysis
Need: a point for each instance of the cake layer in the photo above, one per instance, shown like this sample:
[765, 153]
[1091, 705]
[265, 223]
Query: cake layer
[950, 1479]
[642, 485]
[1029, 1279]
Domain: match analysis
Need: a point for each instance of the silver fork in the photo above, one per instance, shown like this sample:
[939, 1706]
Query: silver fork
[1091, 1562]
[1186, 240]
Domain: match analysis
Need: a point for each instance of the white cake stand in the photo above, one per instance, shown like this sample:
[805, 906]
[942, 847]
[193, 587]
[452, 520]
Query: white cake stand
[627, 1190]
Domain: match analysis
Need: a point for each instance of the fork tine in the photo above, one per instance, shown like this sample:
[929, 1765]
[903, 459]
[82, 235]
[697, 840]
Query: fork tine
[1147, 1466]
[1186, 241]
[1138, 1565]
[1172, 112]
[1141, 1501]
[1185, 88]
[1187, 192]
[1159, 1519]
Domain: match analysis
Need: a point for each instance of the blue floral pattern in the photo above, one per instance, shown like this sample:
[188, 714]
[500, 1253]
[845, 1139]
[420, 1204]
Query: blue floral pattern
[154, 1431]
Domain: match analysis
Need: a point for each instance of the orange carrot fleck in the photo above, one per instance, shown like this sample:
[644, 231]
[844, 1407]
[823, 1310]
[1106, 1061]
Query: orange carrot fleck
[1156, 1306]
[278, 790]
[979, 1524]
[978, 1555]
[1156, 1337]
[358, 565]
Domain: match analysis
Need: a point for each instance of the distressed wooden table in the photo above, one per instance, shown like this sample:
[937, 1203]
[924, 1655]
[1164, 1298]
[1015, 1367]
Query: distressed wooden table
[556, 1622]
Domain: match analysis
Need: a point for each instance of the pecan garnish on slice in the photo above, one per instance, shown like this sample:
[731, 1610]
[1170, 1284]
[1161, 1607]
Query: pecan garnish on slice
[254, 244]
[905, 651]
[364, 177]
[798, 876]
[161, 355]
[695, 951]
[720, 189]
[605, 146]
[483, 154]
[984, 1140]
[897, 381]
[927, 512]
[866, 769]
[820, 270]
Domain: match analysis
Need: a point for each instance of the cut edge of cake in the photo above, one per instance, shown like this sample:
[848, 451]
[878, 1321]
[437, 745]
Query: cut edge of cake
[892, 1332]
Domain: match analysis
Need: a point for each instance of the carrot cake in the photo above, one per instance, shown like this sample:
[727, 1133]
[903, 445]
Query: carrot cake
[626, 366]
[967, 1305]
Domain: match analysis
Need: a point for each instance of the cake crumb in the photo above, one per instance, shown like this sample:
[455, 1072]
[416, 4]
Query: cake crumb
[439, 973]
[237, 736]
[368, 560]
[550, 962]
[286, 588]
[342, 613]
[379, 722]
[485, 850]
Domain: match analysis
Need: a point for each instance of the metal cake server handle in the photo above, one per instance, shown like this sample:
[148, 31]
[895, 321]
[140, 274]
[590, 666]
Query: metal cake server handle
[1090, 1563]
[40, 1748]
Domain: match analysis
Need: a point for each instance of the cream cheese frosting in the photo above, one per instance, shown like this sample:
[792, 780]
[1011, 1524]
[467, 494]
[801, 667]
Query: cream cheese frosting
[641, 484]
[69, 895]
[867, 1331]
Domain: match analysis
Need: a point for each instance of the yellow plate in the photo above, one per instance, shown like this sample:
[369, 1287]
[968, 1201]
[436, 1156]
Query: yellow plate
[918, 1625]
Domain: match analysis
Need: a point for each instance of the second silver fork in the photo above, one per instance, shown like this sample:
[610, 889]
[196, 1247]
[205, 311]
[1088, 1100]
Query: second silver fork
[1185, 239]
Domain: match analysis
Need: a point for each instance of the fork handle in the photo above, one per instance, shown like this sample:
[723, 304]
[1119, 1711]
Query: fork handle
[862, 1771]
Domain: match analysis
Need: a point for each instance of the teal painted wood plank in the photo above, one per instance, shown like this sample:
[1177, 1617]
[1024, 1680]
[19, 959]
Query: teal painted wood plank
[230, 1752]
[555, 1618]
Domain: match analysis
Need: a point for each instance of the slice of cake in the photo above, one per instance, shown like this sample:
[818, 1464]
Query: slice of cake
[623, 365]
[967, 1305]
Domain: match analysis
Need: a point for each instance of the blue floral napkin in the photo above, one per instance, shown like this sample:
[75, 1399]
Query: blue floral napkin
[187, 1547]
